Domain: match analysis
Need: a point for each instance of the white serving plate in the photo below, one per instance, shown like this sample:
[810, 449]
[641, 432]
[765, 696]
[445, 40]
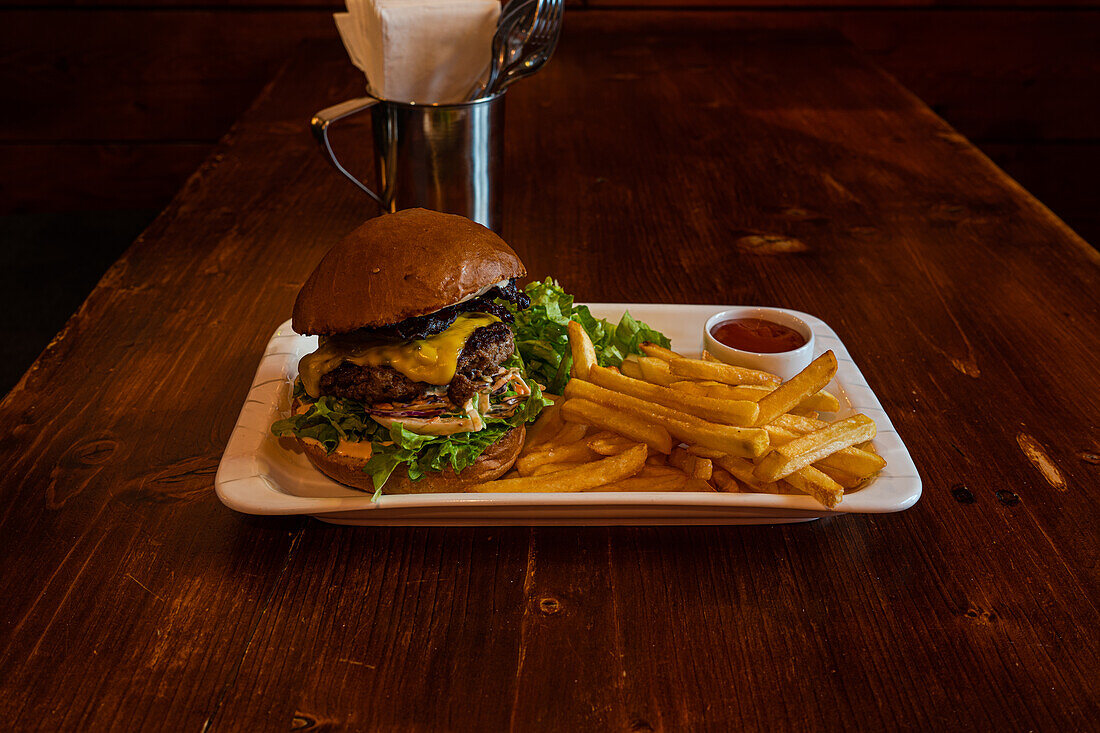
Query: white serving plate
[257, 476]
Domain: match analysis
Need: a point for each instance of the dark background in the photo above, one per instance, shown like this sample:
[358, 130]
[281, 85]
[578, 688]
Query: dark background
[109, 108]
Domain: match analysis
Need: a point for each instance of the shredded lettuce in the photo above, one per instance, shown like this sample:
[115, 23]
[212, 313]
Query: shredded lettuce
[544, 342]
[330, 420]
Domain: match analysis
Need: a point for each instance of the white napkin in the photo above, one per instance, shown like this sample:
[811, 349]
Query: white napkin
[426, 51]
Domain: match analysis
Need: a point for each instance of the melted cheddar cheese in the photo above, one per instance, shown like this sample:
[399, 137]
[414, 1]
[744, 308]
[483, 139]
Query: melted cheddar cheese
[432, 360]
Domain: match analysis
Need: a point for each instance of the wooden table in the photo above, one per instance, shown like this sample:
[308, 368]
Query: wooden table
[660, 159]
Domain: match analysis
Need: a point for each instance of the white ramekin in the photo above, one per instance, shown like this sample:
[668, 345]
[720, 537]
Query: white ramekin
[785, 363]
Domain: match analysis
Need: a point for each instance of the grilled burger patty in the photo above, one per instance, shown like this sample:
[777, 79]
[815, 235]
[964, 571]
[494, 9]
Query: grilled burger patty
[485, 350]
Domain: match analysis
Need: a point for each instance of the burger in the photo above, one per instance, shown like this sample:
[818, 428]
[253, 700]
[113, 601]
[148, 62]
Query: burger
[416, 385]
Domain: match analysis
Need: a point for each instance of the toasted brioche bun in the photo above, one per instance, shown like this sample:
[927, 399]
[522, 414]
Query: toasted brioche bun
[493, 463]
[396, 266]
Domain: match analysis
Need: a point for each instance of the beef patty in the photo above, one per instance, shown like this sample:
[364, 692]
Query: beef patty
[484, 352]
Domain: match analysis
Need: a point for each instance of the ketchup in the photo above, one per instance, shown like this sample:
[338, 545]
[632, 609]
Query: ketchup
[756, 334]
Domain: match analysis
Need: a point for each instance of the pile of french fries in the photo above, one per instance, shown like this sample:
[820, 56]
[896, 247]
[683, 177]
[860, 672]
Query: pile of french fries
[662, 422]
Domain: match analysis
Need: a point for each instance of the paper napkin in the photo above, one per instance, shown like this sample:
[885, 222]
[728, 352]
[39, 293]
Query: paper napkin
[426, 51]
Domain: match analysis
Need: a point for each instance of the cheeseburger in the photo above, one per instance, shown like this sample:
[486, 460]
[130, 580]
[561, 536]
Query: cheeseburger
[416, 385]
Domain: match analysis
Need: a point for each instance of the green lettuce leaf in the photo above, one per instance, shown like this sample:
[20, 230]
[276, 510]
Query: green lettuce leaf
[331, 419]
[543, 341]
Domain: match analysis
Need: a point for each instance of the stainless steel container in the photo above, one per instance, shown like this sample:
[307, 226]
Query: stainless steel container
[445, 157]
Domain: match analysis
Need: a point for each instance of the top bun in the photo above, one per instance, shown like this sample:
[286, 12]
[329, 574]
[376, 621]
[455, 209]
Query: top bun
[396, 266]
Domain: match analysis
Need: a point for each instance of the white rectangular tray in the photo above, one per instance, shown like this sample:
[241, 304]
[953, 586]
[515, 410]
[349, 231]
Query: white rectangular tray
[257, 476]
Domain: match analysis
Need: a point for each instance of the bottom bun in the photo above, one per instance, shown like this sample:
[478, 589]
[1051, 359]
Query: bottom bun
[493, 463]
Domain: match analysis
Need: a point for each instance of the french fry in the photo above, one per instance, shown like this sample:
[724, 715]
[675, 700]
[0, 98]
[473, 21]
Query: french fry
[725, 481]
[656, 459]
[704, 452]
[554, 468]
[630, 367]
[665, 470]
[798, 423]
[584, 353]
[547, 425]
[809, 381]
[569, 453]
[619, 421]
[655, 371]
[783, 460]
[669, 482]
[698, 484]
[822, 401]
[729, 412]
[610, 446]
[811, 481]
[741, 470]
[707, 356]
[582, 478]
[859, 463]
[692, 465]
[719, 372]
[573, 432]
[659, 352]
[803, 412]
[851, 460]
[749, 442]
[847, 480]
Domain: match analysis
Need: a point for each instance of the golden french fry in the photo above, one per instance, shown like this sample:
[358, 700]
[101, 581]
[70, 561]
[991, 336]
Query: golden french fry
[573, 432]
[554, 468]
[783, 460]
[655, 371]
[631, 368]
[742, 470]
[803, 412]
[584, 353]
[719, 372]
[822, 401]
[547, 425]
[704, 452]
[729, 412]
[851, 460]
[859, 463]
[619, 421]
[750, 442]
[568, 453]
[798, 423]
[669, 482]
[707, 356]
[725, 481]
[692, 465]
[651, 471]
[656, 459]
[582, 478]
[811, 481]
[809, 381]
[698, 484]
[612, 446]
[847, 480]
[659, 352]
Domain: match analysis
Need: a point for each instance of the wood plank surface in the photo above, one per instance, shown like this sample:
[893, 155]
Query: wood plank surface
[637, 163]
[109, 96]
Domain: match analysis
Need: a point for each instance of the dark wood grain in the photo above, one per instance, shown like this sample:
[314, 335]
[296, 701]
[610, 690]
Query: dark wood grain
[118, 103]
[635, 161]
